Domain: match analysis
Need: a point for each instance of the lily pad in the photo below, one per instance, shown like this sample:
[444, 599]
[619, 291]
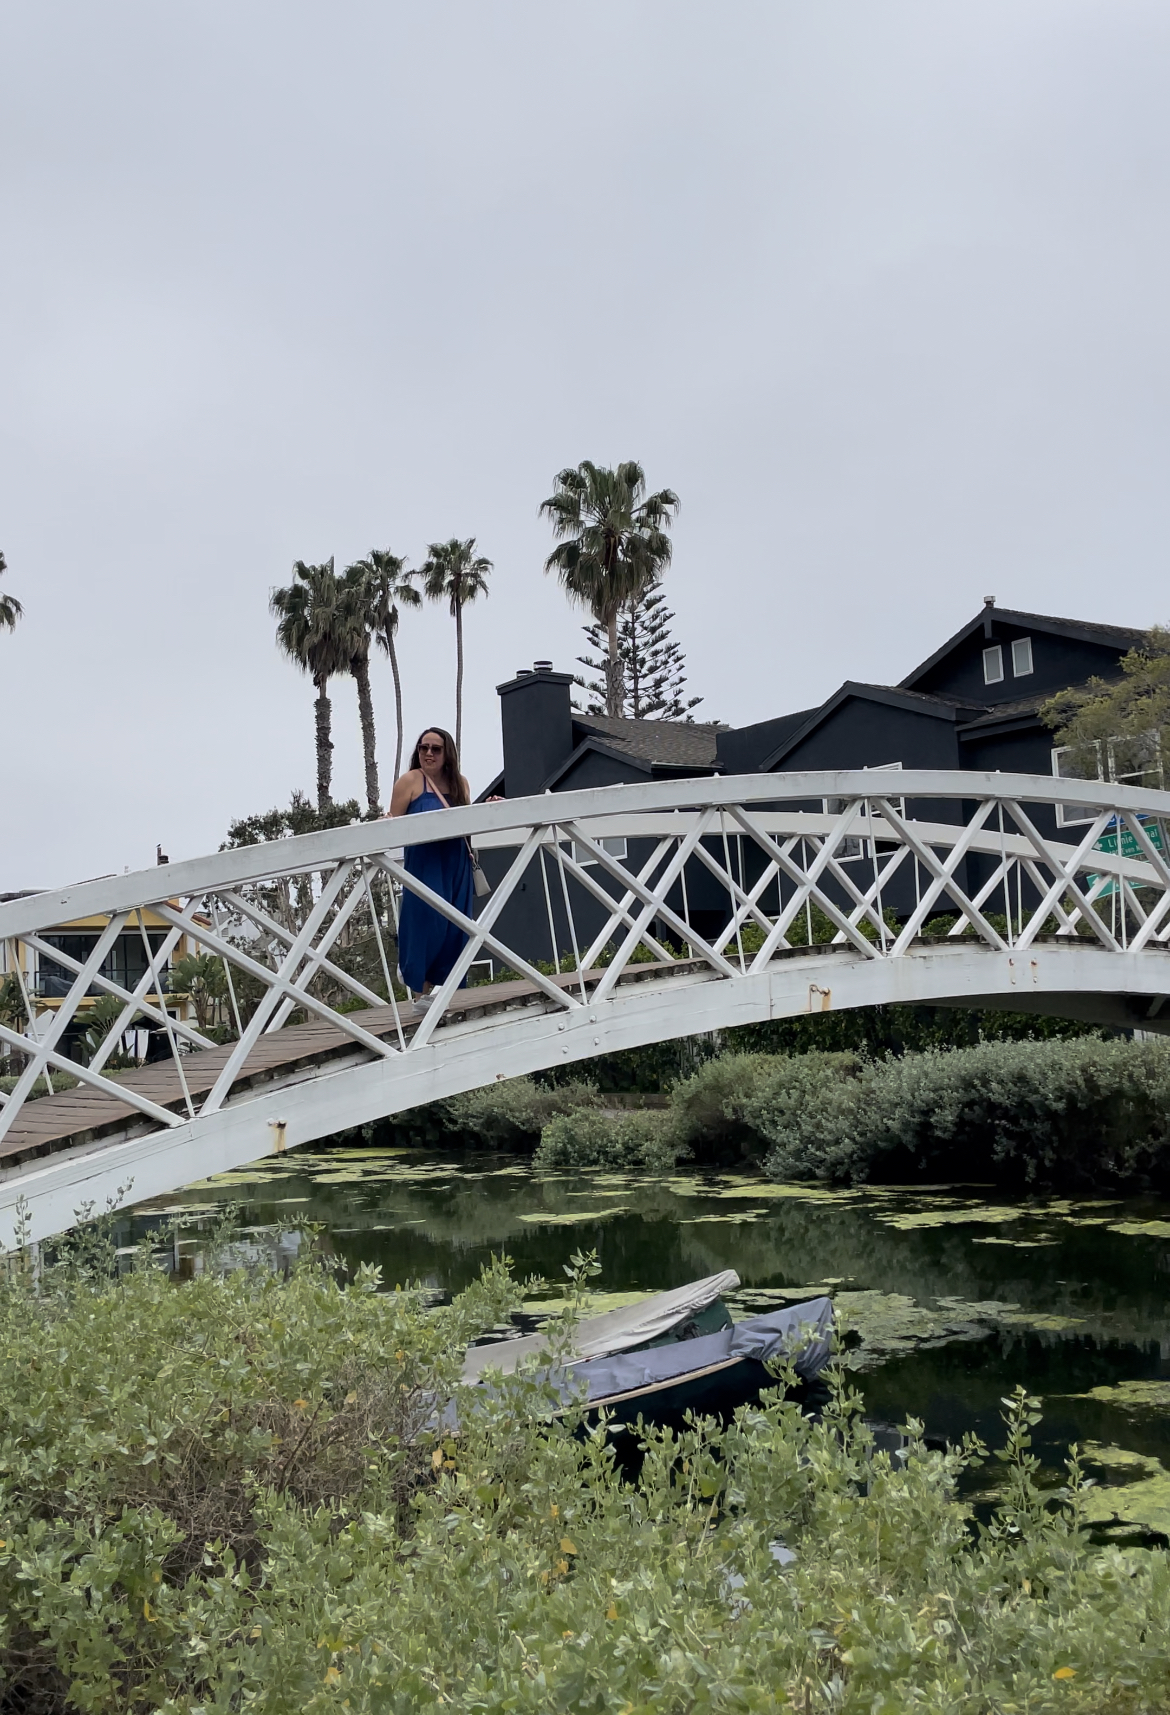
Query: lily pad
[573, 1218]
[1142, 1229]
[1016, 1244]
[1135, 1491]
[986, 1214]
[1132, 1396]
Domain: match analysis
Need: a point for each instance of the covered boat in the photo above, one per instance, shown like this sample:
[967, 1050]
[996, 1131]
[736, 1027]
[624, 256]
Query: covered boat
[711, 1374]
[680, 1314]
[674, 1352]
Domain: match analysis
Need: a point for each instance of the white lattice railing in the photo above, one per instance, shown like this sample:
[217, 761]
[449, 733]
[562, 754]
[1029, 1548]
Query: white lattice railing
[786, 857]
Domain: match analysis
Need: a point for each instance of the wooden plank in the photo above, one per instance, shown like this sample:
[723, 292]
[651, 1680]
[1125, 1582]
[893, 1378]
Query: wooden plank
[84, 1115]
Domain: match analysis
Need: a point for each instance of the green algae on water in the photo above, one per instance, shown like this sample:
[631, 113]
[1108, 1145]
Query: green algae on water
[1134, 1494]
[572, 1218]
[1131, 1396]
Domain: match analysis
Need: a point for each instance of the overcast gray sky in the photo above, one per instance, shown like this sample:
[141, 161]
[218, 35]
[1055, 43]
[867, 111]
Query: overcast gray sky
[880, 289]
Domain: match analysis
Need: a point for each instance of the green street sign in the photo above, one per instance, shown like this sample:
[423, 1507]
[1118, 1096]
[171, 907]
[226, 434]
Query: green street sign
[1129, 845]
[1129, 849]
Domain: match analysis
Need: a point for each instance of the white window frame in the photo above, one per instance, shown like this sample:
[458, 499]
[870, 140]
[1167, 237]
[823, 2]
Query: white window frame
[1022, 644]
[614, 846]
[481, 969]
[1074, 815]
[1077, 815]
[993, 657]
[854, 848]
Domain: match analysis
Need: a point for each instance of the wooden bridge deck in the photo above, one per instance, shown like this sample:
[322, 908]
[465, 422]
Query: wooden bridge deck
[84, 1116]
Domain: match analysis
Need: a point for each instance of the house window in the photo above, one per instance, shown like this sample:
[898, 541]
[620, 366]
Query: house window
[1128, 761]
[1064, 768]
[993, 665]
[616, 848]
[853, 847]
[1021, 657]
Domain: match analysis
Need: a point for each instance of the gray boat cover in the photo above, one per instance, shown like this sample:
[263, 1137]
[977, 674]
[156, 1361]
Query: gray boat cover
[616, 1331]
[802, 1331]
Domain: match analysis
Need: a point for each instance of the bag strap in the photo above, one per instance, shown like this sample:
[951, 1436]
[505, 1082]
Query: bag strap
[467, 837]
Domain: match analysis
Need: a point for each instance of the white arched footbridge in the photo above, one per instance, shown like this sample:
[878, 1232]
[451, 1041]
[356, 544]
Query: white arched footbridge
[674, 908]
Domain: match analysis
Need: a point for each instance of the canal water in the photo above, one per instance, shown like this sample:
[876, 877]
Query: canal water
[950, 1295]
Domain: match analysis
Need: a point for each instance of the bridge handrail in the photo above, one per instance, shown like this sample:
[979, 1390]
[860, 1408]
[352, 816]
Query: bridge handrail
[302, 852]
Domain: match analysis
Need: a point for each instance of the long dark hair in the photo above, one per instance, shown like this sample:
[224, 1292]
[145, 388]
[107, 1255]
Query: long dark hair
[454, 790]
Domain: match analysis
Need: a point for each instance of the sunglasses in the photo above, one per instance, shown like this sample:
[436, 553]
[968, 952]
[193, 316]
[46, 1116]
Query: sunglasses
[437, 748]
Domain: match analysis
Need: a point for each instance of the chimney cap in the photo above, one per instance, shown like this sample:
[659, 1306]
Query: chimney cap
[989, 601]
[542, 666]
[524, 672]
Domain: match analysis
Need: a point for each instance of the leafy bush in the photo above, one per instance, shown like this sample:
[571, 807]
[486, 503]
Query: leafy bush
[225, 1497]
[1065, 1115]
[513, 1113]
[587, 1138]
[510, 1114]
[712, 1112]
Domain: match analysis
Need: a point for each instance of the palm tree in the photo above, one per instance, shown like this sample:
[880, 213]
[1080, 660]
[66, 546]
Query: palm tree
[358, 623]
[385, 588]
[453, 572]
[315, 630]
[10, 608]
[612, 543]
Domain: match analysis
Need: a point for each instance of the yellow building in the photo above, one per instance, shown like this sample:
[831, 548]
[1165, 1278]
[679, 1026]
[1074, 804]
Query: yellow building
[140, 952]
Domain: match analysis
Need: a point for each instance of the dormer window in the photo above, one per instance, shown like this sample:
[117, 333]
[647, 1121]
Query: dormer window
[1022, 657]
[993, 665]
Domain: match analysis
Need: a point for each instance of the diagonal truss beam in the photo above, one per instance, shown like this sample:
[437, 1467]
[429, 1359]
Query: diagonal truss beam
[136, 1001]
[480, 934]
[95, 1081]
[1065, 875]
[39, 1054]
[806, 883]
[270, 926]
[343, 1021]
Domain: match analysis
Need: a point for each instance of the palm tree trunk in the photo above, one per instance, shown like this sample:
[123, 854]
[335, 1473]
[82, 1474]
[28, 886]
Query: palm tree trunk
[324, 713]
[397, 703]
[458, 684]
[614, 691]
[361, 673]
[635, 663]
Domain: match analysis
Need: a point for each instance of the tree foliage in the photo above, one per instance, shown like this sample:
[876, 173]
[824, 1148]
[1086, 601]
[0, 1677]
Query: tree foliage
[316, 629]
[384, 587]
[1119, 729]
[652, 661]
[453, 572]
[10, 608]
[612, 543]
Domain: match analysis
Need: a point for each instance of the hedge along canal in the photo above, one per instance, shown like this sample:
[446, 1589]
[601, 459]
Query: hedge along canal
[952, 1294]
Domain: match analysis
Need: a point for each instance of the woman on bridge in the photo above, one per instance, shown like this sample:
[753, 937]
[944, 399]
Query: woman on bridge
[428, 943]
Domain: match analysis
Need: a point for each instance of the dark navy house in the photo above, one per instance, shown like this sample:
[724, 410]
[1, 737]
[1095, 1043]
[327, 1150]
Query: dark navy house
[974, 704]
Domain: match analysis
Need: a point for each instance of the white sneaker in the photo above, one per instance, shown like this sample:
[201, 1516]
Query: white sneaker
[422, 1001]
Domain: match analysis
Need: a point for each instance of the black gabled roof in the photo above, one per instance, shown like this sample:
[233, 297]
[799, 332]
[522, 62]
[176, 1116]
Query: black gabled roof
[996, 712]
[665, 744]
[1082, 631]
[895, 696]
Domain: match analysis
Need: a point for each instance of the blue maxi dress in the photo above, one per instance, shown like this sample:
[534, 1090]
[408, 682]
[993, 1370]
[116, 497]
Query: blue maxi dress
[428, 945]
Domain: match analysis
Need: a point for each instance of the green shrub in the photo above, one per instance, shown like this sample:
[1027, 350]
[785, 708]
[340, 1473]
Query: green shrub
[710, 1111]
[513, 1113]
[225, 1497]
[1058, 1115]
[510, 1114]
[587, 1138]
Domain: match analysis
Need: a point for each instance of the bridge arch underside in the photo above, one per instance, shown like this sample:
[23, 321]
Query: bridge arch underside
[1054, 977]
